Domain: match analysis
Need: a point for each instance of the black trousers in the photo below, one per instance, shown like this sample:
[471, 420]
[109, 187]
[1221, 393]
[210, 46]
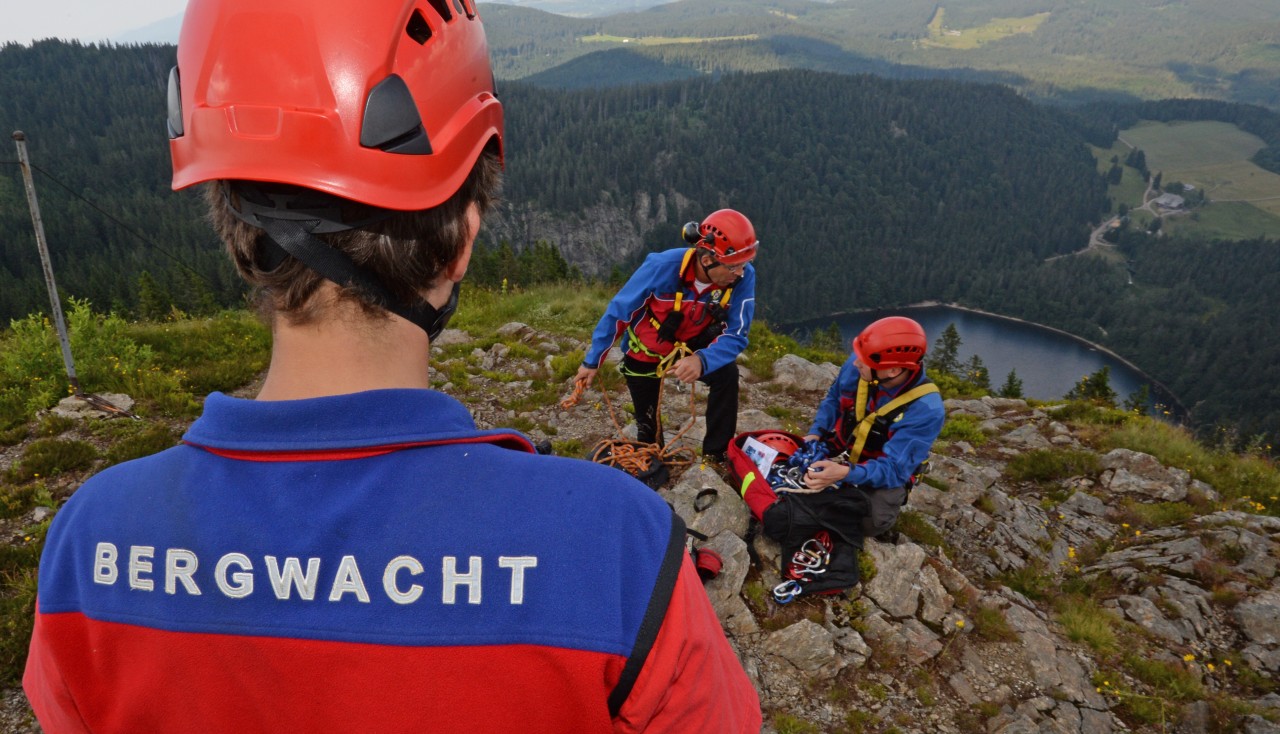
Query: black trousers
[722, 405]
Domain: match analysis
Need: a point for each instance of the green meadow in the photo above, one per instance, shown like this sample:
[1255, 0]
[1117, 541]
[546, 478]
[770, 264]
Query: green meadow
[978, 36]
[1244, 200]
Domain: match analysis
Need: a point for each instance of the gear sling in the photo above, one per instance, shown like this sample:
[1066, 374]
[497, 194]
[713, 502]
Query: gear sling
[792, 518]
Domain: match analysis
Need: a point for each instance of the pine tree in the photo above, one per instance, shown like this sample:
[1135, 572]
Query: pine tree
[829, 339]
[1095, 388]
[154, 303]
[1138, 400]
[945, 356]
[1012, 387]
[975, 371]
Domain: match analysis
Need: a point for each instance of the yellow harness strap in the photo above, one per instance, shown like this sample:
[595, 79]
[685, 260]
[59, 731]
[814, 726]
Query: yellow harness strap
[865, 422]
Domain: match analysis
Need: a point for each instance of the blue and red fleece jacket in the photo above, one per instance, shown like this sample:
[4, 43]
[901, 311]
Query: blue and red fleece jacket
[372, 562]
[650, 293]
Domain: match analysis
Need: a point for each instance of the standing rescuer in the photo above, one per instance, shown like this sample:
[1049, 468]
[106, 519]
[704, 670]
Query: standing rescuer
[347, 552]
[685, 312]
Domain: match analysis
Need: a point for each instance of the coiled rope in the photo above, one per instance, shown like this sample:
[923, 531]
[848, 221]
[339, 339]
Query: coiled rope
[631, 456]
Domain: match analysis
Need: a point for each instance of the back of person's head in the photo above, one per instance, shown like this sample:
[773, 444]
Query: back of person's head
[340, 140]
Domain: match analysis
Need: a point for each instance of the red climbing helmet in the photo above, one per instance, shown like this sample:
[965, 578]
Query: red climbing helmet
[726, 234]
[784, 443]
[894, 341]
[386, 103]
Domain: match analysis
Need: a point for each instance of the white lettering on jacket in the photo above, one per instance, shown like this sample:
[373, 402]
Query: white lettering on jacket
[233, 575]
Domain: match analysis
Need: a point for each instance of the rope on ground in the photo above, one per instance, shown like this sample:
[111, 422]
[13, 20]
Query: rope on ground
[633, 457]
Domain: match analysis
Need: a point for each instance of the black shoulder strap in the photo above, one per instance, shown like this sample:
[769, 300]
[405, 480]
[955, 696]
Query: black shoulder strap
[653, 615]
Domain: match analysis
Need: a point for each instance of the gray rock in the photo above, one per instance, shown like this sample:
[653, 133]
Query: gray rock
[806, 646]
[450, 337]
[801, 374]
[856, 650]
[1255, 724]
[516, 330]
[1147, 615]
[100, 405]
[969, 407]
[723, 511]
[1027, 436]
[894, 588]
[1133, 472]
[922, 643]
[1259, 618]
[1195, 718]
[960, 684]
[748, 420]
[935, 602]
[726, 586]
[1096, 722]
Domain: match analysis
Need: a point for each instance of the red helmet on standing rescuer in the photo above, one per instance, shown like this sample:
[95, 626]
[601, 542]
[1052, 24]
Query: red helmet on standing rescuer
[726, 235]
[894, 341]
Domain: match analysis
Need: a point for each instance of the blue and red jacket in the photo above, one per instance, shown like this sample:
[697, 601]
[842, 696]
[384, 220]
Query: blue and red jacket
[894, 456]
[372, 562]
[650, 295]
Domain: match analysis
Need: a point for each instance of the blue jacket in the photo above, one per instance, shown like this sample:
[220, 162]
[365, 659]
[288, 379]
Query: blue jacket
[911, 436]
[372, 562]
[653, 287]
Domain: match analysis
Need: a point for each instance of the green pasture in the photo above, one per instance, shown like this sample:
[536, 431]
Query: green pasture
[1244, 200]
[1234, 182]
[1131, 187]
[1180, 145]
[1225, 220]
[661, 40]
[989, 32]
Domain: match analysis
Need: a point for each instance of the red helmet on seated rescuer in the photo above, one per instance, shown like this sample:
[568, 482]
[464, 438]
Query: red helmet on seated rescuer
[894, 341]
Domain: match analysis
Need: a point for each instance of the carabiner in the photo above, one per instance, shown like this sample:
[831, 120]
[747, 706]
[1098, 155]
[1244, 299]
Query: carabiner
[786, 591]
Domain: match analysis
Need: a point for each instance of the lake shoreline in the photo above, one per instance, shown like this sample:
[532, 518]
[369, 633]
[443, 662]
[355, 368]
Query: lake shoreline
[1013, 319]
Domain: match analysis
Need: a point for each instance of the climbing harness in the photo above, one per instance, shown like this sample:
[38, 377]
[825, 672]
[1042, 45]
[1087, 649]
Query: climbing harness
[868, 422]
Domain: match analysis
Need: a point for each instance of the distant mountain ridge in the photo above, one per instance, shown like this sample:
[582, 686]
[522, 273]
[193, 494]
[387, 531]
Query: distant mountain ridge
[1069, 50]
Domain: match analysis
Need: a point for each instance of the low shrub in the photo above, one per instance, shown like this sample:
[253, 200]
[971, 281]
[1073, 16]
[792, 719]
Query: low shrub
[963, 427]
[47, 457]
[1046, 465]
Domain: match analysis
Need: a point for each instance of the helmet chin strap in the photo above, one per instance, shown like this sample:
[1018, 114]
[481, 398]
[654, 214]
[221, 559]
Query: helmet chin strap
[295, 238]
[293, 217]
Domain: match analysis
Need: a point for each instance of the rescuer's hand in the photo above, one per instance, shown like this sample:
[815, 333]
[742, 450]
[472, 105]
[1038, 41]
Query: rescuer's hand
[688, 369]
[824, 474]
[586, 375]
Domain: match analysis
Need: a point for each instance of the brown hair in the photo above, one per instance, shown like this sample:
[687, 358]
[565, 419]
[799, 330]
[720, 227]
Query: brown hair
[406, 251]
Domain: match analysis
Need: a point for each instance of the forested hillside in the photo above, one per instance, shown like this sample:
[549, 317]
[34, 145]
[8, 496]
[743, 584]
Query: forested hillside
[1053, 49]
[936, 182]
[866, 192]
[94, 121]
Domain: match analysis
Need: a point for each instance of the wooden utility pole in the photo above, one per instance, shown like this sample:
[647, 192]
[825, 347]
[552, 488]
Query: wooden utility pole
[20, 139]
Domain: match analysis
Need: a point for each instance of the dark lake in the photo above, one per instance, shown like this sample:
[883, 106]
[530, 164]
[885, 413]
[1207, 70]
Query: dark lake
[1048, 362]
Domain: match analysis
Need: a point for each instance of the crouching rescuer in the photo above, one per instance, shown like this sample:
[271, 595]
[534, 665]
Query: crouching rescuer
[849, 477]
[348, 552]
[686, 313]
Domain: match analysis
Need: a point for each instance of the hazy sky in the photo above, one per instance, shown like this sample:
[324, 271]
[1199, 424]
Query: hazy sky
[87, 20]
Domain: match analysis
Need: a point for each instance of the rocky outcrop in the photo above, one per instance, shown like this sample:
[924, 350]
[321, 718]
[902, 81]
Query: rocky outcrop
[1059, 605]
[978, 615]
